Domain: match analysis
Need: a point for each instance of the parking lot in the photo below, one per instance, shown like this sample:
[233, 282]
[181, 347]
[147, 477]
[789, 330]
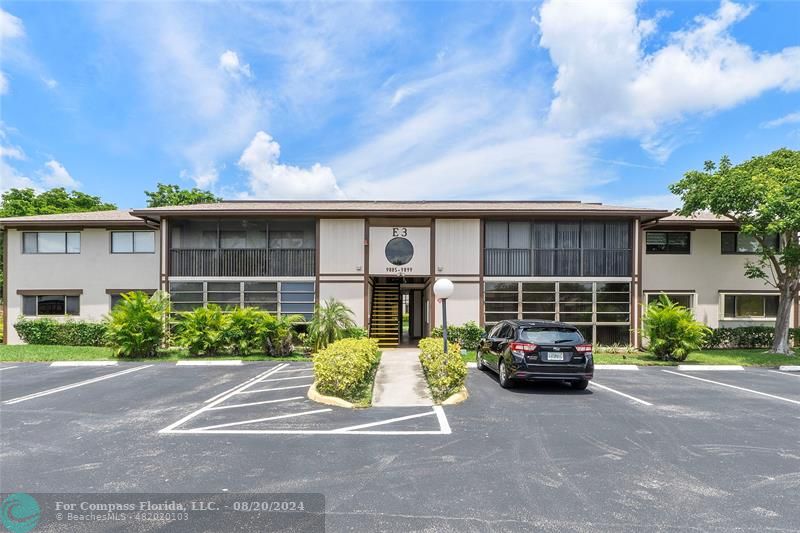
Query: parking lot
[640, 450]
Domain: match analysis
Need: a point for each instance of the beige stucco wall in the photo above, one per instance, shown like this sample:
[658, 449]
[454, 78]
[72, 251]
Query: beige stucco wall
[341, 246]
[349, 293]
[706, 272]
[463, 306]
[458, 246]
[93, 270]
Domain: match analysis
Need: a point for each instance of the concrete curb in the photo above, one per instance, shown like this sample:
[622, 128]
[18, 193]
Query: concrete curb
[318, 397]
[789, 368]
[472, 365]
[710, 367]
[456, 398]
[616, 367]
[225, 362]
[84, 363]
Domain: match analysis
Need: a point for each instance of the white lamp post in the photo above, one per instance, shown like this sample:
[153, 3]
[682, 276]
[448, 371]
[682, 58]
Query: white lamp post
[443, 289]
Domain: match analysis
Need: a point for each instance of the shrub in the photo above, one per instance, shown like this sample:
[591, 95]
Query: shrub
[467, 336]
[279, 336]
[330, 322]
[355, 333]
[246, 330]
[136, 325]
[203, 330]
[68, 333]
[345, 368]
[445, 372]
[746, 337]
[672, 330]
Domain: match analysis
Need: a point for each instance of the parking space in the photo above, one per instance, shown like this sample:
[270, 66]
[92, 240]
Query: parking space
[642, 450]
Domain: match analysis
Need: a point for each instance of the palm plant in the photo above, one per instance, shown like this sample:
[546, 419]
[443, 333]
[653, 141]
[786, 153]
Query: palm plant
[330, 323]
[136, 325]
[672, 330]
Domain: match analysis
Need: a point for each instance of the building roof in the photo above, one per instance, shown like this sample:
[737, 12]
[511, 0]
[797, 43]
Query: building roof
[122, 217]
[698, 220]
[395, 208]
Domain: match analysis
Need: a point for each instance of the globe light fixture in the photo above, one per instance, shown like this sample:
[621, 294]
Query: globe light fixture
[443, 289]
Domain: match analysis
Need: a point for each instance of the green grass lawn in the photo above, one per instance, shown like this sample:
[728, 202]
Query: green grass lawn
[36, 353]
[706, 357]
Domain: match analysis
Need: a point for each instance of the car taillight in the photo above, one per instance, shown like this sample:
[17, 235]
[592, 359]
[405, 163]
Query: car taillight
[584, 348]
[519, 348]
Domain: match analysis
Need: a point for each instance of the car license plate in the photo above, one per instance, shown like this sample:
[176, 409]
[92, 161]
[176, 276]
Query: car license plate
[555, 356]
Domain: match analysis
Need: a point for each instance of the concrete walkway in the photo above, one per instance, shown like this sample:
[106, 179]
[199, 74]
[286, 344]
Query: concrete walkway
[400, 381]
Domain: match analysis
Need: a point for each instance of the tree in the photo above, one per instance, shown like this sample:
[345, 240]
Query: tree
[173, 195]
[762, 195]
[27, 202]
[330, 323]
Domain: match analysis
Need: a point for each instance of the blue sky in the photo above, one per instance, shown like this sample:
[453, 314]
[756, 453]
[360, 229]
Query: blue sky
[598, 101]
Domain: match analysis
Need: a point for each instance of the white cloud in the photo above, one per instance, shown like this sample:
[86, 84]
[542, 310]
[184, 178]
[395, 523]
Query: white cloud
[267, 178]
[614, 87]
[55, 175]
[11, 27]
[3, 83]
[791, 118]
[10, 177]
[229, 62]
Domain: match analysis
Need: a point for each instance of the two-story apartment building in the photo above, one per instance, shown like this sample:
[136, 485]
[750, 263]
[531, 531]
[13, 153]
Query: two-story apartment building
[584, 263]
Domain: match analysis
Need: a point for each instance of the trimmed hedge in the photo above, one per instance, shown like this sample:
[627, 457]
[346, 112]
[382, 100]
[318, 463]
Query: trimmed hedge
[346, 367]
[65, 333]
[445, 372]
[467, 336]
[746, 337]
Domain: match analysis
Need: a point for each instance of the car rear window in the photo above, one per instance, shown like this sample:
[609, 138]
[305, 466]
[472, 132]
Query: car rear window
[550, 335]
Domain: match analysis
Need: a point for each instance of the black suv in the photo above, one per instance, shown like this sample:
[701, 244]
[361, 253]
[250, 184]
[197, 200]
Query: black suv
[536, 350]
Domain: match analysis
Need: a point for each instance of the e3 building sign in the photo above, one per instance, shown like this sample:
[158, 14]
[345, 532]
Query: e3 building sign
[399, 251]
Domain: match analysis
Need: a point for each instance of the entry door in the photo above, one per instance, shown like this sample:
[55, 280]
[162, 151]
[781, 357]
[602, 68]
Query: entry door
[416, 313]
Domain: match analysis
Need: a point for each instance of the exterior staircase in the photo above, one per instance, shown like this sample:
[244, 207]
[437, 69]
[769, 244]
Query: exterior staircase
[384, 323]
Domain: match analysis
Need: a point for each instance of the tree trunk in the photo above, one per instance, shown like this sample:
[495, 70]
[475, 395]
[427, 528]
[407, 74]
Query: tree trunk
[781, 342]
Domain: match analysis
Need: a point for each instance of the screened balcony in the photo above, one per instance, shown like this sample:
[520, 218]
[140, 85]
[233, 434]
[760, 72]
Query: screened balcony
[242, 248]
[569, 248]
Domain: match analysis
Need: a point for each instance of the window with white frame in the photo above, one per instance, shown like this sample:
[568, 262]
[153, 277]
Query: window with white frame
[51, 305]
[133, 242]
[685, 299]
[51, 242]
[749, 306]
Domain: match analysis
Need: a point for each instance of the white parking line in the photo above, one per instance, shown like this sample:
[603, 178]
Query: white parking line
[73, 385]
[223, 362]
[276, 388]
[253, 421]
[789, 368]
[288, 370]
[609, 389]
[257, 403]
[284, 379]
[793, 374]
[703, 368]
[616, 367]
[383, 422]
[8, 367]
[221, 398]
[736, 387]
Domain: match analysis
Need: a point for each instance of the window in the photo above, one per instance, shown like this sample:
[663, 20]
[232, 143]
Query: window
[51, 242]
[133, 242]
[281, 298]
[686, 299]
[50, 305]
[740, 243]
[750, 306]
[566, 248]
[283, 240]
[667, 242]
[115, 295]
[598, 309]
